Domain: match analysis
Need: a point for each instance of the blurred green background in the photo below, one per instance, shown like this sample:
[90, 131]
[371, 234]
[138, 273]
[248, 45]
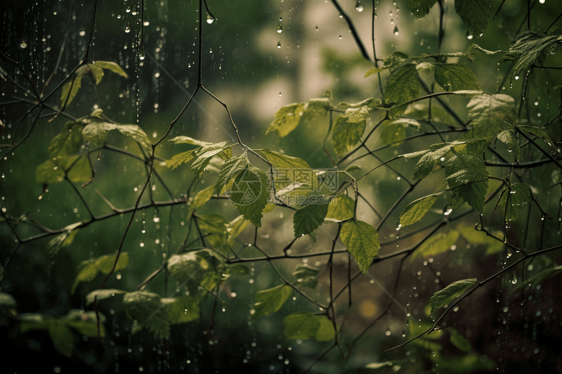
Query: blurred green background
[510, 331]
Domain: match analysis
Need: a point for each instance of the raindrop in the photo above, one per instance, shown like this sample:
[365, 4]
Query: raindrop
[280, 94]
[517, 77]
[127, 29]
[542, 1]
[146, 23]
[341, 15]
[279, 29]
[340, 36]
[359, 7]
[388, 332]
[23, 44]
[316, 28]
[469, 36]
[210, 18]
[278, 44]
[396, 32]
[448, 209]
[82, 33]
[514, 281]
[280, 19]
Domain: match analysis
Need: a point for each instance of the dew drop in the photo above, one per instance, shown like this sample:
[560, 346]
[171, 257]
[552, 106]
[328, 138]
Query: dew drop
[396, 32]
[279, 29]
[210, 18]
[278, 44]
[359, 7]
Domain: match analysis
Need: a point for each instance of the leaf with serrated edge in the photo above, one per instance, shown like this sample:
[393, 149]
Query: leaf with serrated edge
[420, 8]
[308, 218]
[250, 193]
[362, 241]
[201, 198]
[474, 13]
[230, 169]
[402, 86]
[349, 129]
[341, 208]
[455, 77]
[146, 309]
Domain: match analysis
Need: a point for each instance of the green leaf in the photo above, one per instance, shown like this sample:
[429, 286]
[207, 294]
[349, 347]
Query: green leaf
[108, 65]
[353, 168]
[300, 325]
[326, 330]
[362, 241]
[349, 129]
[287, 119]
[509, 139]
[315, 109]
[137, 134]
[373, 71]
[446, 295]
[308, 218]
[204, 155]
[237, 226]
[307, 276]
[102, 294]
[181, 309]
[188, 140]
[201, 199]
[341, 208]
[237, 270]
[417, 209]
[514, 199]
[270, 301]
[420, 8]
[469, 177]
[436, 245]
[147, 311]
[62, 337]
[81, 170]
[402, 85]
[49, 172]
[187, 266]
[530, 48]
[491, 114]
[62, 240]
[70, 89]
[67, 142]
[96, 132]
[250, 193]
[230, 169]
[459, 341]
[87, 270]
[474, 13]
[455, 77]
[7, 308]
[181, 158]
[537, 279]
[291, 168]
[395, 132]
[538, 132]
